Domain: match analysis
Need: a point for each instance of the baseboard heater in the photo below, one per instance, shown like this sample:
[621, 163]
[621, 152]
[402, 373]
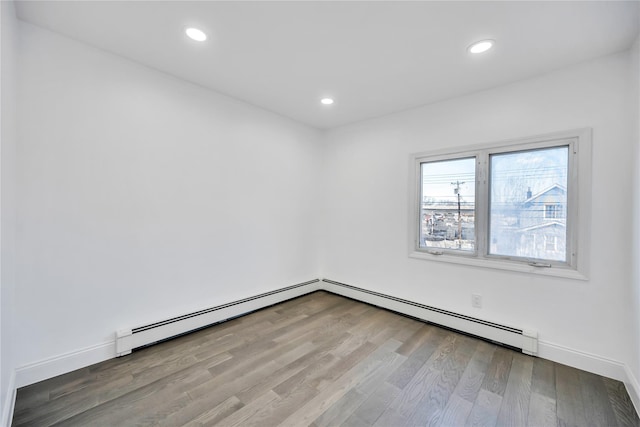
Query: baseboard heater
[526, 340]
[129, 339]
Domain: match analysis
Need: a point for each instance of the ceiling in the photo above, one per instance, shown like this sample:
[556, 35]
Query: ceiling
[374, 58]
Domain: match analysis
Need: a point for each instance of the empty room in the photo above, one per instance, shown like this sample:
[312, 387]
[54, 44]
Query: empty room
[327, 213]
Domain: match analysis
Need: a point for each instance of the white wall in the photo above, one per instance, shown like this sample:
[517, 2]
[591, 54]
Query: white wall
[366, 230]
[634, 363]
[8, 37]
[142, 197]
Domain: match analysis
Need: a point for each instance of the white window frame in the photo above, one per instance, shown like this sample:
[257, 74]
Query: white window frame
[577, 213]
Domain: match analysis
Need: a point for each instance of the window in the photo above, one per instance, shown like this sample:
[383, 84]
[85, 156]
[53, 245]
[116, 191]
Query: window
[523, 186]
[510, 205]
[448, 206]
[553, 211]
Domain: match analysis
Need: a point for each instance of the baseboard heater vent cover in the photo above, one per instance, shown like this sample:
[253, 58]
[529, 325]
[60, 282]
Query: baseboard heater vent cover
[526, 340]
[130, 339]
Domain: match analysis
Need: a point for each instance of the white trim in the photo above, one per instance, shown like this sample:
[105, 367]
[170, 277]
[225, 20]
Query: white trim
[505, 334]
[128, 339]
[505, 146]
[546, 350]
[563, 272]
[10, 401]
[633, 388]
[582, 360]
[52, 366]
[595, 364]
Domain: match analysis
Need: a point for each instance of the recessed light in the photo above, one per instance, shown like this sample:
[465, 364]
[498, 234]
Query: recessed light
[195, 34]
[481, 46]
[326, 101]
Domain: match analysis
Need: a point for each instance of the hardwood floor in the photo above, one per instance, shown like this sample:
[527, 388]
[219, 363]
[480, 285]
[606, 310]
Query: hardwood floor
[325, 360]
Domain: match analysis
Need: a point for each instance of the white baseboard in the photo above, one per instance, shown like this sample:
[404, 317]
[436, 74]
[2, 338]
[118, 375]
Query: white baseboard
[557, 353]
[63, 363]
[582, 360]
[9, 402]
[129, 339]
[514, 337]
[633, 388]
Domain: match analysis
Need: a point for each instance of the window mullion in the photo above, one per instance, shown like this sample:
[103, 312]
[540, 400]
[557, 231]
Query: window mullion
[482, 203]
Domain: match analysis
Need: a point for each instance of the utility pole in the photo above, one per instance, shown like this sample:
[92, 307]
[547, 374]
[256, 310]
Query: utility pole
[456, 191]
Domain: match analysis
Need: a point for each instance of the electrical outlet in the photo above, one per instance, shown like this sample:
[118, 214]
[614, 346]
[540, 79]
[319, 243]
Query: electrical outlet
[476, 300]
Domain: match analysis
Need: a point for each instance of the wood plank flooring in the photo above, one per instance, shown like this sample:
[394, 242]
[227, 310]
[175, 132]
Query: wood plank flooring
[324, 360]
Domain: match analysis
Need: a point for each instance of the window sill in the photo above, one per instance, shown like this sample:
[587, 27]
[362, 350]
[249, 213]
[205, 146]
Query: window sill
[562, 272]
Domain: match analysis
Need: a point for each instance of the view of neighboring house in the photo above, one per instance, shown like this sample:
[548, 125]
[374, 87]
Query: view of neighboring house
[534, 227]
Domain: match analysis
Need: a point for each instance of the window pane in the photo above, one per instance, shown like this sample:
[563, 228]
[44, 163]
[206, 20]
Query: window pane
[529, 204]
[447, 214]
